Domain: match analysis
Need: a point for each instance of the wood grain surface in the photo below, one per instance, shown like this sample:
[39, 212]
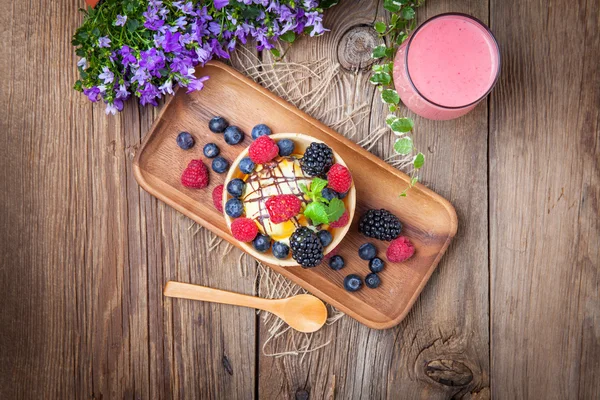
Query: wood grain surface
[512, 311]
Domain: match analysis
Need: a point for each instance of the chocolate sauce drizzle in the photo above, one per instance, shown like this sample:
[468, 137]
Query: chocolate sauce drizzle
[257, 181]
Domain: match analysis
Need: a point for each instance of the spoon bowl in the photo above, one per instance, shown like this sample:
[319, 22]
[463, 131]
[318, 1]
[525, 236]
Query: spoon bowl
[304, 313]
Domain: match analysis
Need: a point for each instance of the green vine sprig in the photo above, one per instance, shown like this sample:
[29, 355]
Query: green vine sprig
[402, 22]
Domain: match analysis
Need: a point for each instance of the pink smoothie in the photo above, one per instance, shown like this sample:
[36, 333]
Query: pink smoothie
[453, 62]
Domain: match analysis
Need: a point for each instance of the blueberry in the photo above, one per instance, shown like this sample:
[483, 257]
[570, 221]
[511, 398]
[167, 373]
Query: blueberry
[233, 135]
[234, 208]
[286, 147]
[185, 140]
[211, 150]
[261, 243]
[336, 263]
[281, 250]
[218, 124]
[260, 130]
[376, 264]
[246, 165]
[235, 187]
[342, 195]
[372, 280]
[329, 194]
[325, 238]
[352, 283]
[220, 165]
[367, 251]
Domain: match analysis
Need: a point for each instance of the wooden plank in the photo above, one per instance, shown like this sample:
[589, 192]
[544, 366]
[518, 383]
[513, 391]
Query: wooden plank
[85, 252]
[545, 191]
[449, 322]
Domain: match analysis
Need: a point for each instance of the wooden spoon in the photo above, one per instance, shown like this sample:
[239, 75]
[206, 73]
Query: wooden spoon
[304, 312]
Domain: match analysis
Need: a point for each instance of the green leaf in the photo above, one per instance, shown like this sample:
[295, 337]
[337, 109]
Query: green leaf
[96, 32]
[381, 78]
[391, 6]
[276, 53]
[304, 189]
[380, 27]
[289, 37]
[393, 108]
[379, 51]
[388, 67]
[390, 96]
[390, 119]
[402, 125]
[250, 13]
[317, 213]
[389, 52]
[408, 13]
[335, 209]
[419, 160]
[132, 25]
[317, 185]
[403, 146]
[401, 38]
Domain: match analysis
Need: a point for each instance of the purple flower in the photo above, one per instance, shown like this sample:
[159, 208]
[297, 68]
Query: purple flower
[221, 3]
[121, 20]
[214, 28]
[171, 44]
[107, 76]
[181, 22]
[148, 94]
[82, 63]
[140, 76]
[153, 21]
[152, 60]
[103, 41]
[112, 108]
[92, 93]
[315, 20]
[196, 84]
[122, 92]
[218, 50]
[187, 8]
[310, 4]
[204, 54]
[166, 87]
[126, 56]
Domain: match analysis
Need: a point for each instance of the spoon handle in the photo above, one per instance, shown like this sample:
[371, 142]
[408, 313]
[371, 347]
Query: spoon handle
[197, 292]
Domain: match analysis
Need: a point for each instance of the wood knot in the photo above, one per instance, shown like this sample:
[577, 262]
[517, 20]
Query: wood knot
[301, 394]
[356, 46]
[449, 372]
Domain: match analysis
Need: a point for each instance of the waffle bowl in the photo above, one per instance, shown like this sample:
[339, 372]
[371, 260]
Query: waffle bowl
[301, 141]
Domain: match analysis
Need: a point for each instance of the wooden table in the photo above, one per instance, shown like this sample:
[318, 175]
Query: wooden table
[513, 310]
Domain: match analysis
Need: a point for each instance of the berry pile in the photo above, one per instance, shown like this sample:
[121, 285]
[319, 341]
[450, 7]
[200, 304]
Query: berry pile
[306, 244]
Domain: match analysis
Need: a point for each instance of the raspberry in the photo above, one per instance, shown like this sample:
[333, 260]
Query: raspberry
[244, 229]
[195, 175]
[342, 221]
[217, 196]
[339, 178]
[263, 150]
[400, 249]
[282, 207]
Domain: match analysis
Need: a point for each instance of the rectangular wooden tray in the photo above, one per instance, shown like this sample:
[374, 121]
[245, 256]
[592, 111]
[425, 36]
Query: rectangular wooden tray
[428, 219]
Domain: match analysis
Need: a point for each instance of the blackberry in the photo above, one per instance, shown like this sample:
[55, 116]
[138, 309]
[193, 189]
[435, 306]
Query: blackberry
[380, 224]
[307, 249]
[317, 159]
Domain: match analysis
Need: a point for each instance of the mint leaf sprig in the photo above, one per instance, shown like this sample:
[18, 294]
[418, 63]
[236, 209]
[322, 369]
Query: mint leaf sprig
[319, 210]
[402, 22]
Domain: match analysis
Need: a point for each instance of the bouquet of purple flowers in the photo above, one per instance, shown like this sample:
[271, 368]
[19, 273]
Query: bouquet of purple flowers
[146, 47]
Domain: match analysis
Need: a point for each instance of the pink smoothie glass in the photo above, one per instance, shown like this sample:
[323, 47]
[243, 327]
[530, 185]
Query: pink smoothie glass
[447, 66]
